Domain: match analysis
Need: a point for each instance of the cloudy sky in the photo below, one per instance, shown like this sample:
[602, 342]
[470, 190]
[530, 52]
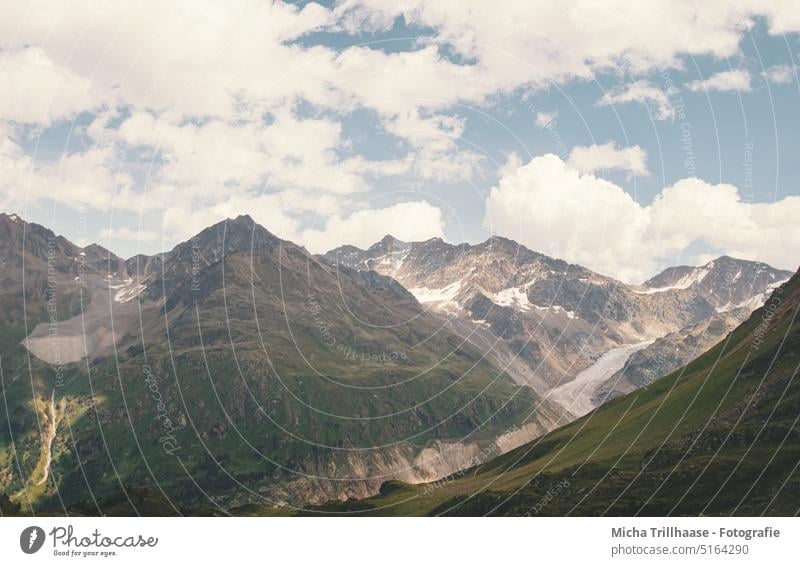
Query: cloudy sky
[624, 136]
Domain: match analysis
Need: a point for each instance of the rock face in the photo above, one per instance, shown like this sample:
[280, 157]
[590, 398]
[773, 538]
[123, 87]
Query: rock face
[726, 283]
[669, 353]
[556, 318]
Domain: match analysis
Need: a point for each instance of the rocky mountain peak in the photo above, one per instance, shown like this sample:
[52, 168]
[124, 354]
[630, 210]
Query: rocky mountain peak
[388, 244]
[4, 217]
[21, 239]
[504, 246]
[726, 282]
[240, 234]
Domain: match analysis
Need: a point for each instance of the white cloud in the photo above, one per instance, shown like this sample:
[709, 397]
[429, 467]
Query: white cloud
[645, 93]
[783, 15]
[237, 61]
[73, 180]
[608, 156]
[545, 119]
[434, 142]
[198, 58]
[546, 42]
[547, 206]
[780, 74]
[34, 89]
[196, 79]
[218, 156]
[738, 80]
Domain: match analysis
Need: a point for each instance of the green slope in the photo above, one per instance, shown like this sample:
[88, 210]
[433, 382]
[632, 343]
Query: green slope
[718, 437]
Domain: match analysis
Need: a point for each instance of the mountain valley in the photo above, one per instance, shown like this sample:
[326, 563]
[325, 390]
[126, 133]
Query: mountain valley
[239, 369]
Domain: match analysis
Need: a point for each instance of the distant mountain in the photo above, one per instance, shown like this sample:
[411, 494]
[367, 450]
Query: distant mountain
[547, 320]
[34, 260]
[235, 365]
[726, 282]
[717, 437]
[669, 353]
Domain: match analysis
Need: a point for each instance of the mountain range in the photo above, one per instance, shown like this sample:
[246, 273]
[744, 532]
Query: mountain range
[236, 364]
[719, 436]
[238, 368]
[546, 321]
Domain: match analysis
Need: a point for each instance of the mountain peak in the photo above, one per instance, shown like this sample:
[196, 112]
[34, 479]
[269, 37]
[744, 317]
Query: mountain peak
[96, 252]
[240, 234]
[388, 244]
[11, 217]
[501, 242]
[726, 282]
[242, 218]
[242, 224]
[497, 238]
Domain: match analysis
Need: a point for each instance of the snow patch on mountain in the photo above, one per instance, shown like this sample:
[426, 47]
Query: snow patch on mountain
[555, 308]
[127, 291]
[695, 276]
[442, 297]
[388, 264]
[755, 301]
[513, 297]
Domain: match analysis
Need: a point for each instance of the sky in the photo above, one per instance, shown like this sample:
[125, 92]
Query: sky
[623, 136]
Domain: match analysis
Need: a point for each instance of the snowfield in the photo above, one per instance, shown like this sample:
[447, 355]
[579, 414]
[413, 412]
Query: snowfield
[576, 396]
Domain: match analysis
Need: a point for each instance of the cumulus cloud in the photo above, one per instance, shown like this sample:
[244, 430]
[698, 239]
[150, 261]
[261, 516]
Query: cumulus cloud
[780, 74]
[195, 58]
[548, 41]
[210, 96]
[73, 180]
[738, 80]
[225, 102]
[656, 99]
[548, 206]
[218, 156]
[36, 90]
[608, 156]
[434, 141]
[240, 59]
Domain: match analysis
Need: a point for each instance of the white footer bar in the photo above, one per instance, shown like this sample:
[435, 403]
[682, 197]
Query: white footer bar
[399, 541]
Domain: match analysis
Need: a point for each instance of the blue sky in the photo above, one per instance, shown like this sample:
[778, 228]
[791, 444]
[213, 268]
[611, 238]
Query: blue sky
[626, 138]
